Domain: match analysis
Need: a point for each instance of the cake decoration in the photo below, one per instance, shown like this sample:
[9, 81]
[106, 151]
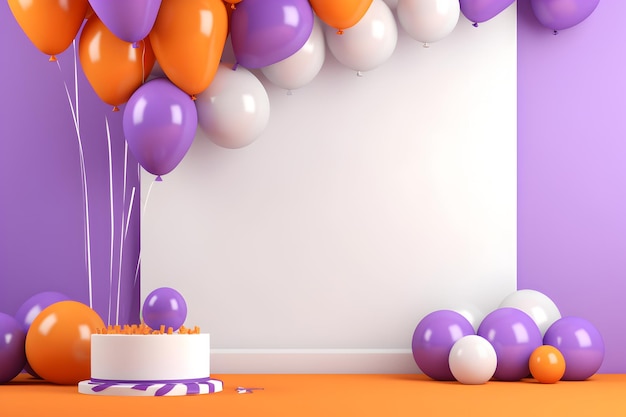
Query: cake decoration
[160, 358]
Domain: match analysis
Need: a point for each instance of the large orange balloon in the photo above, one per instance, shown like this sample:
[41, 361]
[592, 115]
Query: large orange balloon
[51, 25]
[58, 342]
[188, 39]
[113, 67]
[340, 14]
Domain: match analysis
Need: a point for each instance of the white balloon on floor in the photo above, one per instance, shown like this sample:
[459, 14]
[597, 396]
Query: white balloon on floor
[472, 360]
[536, 304]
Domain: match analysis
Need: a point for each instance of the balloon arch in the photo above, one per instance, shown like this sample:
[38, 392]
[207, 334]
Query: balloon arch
[122, 41]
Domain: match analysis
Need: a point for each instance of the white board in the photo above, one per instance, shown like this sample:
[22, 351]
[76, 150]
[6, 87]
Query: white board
[367, 203]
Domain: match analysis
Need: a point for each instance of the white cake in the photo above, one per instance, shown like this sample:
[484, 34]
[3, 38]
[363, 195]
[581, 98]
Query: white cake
[150, 365]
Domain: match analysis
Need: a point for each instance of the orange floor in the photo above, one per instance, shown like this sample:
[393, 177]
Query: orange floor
[332, 395]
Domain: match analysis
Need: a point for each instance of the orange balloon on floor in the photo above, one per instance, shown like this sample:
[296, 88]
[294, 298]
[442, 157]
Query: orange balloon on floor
[51, 25]
[114, 68]
[340, 14]
[188, 39]
[58, 342]
[547, 364]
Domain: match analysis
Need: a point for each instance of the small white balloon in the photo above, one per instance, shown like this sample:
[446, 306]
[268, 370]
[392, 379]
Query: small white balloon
[235, 109]
[472, 360]
[536, 304]
[369, 43]
[428, 21]
[302, 67]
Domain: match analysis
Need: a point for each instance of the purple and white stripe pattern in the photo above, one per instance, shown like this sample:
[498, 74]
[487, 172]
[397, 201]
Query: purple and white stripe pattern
[150, 388]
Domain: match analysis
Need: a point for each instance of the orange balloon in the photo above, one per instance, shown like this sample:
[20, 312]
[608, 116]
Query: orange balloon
[58, 342]
[51, 25]
[188, 39]
[113, 67]
[547, 364]
[340, 14]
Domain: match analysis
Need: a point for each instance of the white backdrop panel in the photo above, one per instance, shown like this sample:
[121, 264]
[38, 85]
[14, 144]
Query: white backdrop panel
[367, 203]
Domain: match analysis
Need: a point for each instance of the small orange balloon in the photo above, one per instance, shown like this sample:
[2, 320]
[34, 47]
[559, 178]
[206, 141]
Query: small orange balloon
[188, 39]
[114, 68]
[58, 342]
[340, 14]
[51, 25]
[547, 364]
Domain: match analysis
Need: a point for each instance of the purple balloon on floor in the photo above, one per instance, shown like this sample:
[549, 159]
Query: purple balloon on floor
[433, 339]
[164, 307]
[12, 352]
[580, 343]
[514, 335]
[35, 304]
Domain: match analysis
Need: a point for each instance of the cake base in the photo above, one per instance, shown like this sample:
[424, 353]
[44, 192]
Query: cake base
[150, 388]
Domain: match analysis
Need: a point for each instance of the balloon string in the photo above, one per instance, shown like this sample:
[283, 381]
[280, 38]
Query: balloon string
[83, 172]
[123, 233]
[112, 218]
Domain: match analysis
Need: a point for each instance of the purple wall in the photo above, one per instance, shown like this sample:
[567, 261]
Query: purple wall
[42, 205]
[572, 169]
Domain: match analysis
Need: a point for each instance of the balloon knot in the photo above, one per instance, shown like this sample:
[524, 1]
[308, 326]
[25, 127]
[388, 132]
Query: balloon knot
[232, 6]
[193, 97]
[158, 178]
[52, 58]
[426, 45]
[339, 31]
[556, 32]
[475, 24]
[115, 108]
[235, 66]
[135, 45]
[359, 74]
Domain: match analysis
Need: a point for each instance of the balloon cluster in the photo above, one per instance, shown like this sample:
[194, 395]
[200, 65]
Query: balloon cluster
[50, 338]
[122, 41]
[525, 336]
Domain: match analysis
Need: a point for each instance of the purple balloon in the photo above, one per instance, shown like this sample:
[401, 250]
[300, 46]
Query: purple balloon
[562, 14]
[580, 343]
[514, 335]
[35, 304]
[433, 339]
[264, 32]
[12, 352]
[479, 11]
[160, 122]
[164, 307]
[131, 21]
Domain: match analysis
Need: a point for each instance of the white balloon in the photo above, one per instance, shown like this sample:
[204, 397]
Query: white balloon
[302, 67]
[536, 304]
[428, 20]
[367, 44]
[472, 360]
[235, 109]
[472, 314]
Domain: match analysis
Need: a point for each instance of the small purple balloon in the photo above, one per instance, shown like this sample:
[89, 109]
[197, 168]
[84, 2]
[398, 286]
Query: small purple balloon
[514, 335]
[164, 307]
[12, 351]
[479, 11]
[264, 32]
[35, 304]
[562, 14]
[131, 21]
[433, 339]
[160, 122]
[580, 343]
